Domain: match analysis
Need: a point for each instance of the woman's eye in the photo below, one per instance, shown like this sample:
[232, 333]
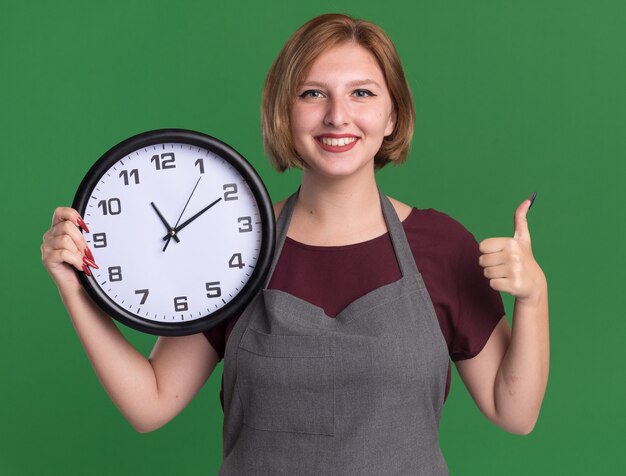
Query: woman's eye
[363, 93]
[311, 93]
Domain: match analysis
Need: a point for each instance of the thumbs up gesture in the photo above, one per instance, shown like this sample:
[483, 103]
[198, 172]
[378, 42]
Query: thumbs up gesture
[508, 263]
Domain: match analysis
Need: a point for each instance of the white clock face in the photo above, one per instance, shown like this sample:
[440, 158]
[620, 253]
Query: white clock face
[175, 230]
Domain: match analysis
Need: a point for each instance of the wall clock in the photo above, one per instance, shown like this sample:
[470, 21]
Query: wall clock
[182, 229]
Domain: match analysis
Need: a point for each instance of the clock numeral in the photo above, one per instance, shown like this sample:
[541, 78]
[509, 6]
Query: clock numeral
[145, 293]
[164, 161]
[235, 261]
[112, 206]
[115, 273]
[99, 240]
[247, 224]
[200, 163]
[133, 174]
[180, 304]
[214, 289]
[230, 192]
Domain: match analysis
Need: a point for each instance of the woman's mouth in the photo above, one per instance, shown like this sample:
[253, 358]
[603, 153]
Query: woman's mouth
[337, 144]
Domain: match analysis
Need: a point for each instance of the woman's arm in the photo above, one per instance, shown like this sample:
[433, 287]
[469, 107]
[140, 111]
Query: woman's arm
[508, 379]
[148, 392]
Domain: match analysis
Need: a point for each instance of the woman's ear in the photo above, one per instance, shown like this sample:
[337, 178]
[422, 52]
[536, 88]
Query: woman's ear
[391, 123]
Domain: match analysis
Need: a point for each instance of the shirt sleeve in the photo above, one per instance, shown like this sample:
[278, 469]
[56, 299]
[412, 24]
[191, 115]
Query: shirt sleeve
[217, 338]
[479, 308]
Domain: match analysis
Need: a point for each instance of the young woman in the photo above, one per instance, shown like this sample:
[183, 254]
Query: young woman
[341, 365]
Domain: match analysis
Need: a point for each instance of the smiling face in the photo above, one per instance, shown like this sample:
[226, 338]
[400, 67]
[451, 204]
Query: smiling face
[342, 112]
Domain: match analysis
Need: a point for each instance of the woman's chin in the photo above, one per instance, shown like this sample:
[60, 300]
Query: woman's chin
[339, 166]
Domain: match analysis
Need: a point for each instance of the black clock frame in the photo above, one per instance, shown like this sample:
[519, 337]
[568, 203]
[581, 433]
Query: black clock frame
[266, 210]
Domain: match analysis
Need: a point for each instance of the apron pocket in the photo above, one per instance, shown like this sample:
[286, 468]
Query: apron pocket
[286, 382]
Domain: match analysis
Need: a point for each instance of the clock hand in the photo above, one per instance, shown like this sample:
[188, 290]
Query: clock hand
[172, 232]
[188, 221]
[164, 221]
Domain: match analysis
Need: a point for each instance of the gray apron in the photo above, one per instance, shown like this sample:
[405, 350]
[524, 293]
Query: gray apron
[360, 394]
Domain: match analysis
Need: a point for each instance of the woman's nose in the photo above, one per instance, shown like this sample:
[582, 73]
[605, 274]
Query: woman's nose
[337, 113]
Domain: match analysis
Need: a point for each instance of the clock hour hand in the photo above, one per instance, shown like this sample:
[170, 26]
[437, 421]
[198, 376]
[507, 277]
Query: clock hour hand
[188, 221]
[171, 231]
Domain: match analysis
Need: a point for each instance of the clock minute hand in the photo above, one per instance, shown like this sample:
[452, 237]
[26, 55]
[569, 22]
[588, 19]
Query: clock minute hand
[188, 221]
[164, 221]
[173, 230]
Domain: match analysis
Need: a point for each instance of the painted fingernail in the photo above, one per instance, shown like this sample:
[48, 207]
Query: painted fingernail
[532, 200]
[90, 263]
[86, 270]
[88, 254]
[82, 224]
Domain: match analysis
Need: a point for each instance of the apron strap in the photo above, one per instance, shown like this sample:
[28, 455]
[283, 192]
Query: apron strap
[404, 255]
[282, 225]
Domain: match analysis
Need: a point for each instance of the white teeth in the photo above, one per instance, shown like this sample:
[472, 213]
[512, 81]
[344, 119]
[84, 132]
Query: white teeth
[337, 142]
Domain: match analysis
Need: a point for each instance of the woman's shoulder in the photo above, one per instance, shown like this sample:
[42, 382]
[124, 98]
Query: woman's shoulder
[402, 209]
[429, 225]
[278, 206]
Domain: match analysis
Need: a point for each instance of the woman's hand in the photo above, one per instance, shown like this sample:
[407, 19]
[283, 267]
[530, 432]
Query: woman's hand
[65, 247]
[509, 263]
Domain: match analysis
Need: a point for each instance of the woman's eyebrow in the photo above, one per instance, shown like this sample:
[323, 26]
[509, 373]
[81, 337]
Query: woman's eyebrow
[363, 82]
[352, 84]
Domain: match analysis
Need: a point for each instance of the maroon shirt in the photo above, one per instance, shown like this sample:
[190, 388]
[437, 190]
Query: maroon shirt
[446, 254]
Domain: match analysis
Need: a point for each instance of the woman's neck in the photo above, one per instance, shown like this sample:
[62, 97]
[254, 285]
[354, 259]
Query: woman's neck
[337, 211]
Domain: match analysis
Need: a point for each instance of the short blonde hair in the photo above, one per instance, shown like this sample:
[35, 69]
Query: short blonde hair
[295, 60]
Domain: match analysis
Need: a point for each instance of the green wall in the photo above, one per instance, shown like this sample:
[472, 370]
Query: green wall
[512, 97]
